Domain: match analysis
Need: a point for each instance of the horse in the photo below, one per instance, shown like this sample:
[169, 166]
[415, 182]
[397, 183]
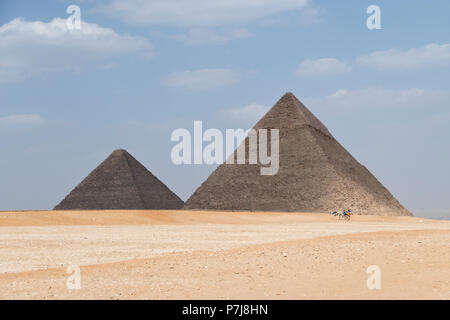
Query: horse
[346, 215]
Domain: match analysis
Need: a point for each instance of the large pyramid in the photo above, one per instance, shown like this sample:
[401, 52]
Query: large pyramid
[121, 182]
[316, 174]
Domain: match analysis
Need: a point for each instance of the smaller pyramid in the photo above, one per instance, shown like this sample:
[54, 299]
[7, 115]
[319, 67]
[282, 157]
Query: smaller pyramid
[120, 182]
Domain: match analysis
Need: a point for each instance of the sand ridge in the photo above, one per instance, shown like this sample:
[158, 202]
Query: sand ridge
[235, 255]
[136, 217]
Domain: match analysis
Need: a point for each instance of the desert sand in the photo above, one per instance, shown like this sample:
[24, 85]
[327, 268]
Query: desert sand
[221, 255]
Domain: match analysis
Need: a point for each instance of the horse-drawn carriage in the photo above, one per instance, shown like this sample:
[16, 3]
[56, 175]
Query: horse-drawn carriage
[346, 214]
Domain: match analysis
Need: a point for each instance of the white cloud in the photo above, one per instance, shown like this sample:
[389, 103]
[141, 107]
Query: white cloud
[339, 93]
[202, 79]
[253, 111]
[196, 36]
[243, 117]
[429, 56]
[310, 16]
[199, 12]
[325, 66]
[30, 48]
[380, 98]
[21, 120]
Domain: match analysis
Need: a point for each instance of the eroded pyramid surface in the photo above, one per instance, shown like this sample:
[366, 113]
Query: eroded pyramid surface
[316, 174]
[121, 182]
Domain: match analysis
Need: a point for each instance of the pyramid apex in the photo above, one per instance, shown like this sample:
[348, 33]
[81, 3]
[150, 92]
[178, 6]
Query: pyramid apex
[120, 151]
[289, 94]
[290, 112]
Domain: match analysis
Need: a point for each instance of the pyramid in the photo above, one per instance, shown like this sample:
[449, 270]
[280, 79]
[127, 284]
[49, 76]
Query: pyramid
[120, 182]
[316, 174]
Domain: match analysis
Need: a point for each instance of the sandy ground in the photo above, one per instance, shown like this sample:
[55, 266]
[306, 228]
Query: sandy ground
[221, 255]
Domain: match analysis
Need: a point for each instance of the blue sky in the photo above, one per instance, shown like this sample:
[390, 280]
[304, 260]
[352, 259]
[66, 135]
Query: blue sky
[137, 70]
